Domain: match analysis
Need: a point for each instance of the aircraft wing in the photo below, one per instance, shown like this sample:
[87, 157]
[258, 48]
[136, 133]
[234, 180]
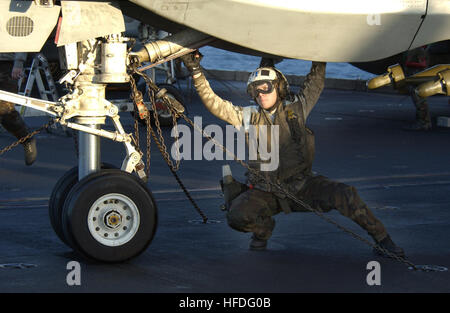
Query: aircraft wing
[320, 30]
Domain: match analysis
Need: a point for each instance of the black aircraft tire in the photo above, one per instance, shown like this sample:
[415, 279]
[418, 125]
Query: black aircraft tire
[58, 196]
[109, 216]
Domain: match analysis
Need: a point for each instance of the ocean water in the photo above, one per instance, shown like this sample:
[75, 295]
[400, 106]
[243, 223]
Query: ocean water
[219, 59]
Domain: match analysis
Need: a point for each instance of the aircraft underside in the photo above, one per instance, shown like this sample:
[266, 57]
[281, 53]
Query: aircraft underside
[108, 214]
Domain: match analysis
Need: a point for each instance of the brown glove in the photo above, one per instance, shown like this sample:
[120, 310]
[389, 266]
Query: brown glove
[192, 61]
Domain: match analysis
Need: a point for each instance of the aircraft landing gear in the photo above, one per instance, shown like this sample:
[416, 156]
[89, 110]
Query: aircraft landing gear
[104, 214]
[59, 195]
[109, 216]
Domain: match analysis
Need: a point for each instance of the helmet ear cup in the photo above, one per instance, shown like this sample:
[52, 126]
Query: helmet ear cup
[283, 85]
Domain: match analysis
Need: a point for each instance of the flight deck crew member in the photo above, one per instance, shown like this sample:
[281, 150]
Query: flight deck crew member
[253, 210]
[11, 69]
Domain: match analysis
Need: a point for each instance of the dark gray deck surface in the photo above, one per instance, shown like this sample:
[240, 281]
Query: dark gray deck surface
[403, 176]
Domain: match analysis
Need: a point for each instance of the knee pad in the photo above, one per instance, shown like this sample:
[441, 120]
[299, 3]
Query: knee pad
[237, 220]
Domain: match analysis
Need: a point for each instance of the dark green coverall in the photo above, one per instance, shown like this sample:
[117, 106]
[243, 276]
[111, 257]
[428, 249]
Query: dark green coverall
[253, 210]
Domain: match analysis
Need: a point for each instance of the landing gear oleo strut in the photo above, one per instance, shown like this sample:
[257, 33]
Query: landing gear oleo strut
[103, 213]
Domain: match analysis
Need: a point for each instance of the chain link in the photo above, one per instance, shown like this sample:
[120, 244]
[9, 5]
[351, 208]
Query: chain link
[290, 195]
[197, 208]
[137, 98]
[134, 97]
[173, 168]
[159, 138]
[28, 136]
[149, 137]
[151, 87]
[298, 201]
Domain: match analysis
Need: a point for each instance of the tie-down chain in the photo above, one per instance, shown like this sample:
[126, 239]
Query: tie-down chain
[176, 112]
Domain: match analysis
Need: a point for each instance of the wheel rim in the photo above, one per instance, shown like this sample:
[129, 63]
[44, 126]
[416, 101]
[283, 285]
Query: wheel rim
[113, 219]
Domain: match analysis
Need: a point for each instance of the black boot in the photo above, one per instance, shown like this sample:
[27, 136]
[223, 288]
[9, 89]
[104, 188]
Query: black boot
[390, 246]
[257, 244]
[29, 147]
[14, 124]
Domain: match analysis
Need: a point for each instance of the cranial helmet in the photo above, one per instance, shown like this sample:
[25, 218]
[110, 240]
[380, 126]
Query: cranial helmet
[270, 75]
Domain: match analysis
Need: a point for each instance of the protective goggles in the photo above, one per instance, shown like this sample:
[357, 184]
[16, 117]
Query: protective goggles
[260, 86]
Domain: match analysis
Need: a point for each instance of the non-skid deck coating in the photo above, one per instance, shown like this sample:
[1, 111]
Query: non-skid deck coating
[403, 176]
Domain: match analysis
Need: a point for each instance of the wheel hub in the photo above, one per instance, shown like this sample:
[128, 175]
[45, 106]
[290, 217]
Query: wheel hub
[113, 219]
